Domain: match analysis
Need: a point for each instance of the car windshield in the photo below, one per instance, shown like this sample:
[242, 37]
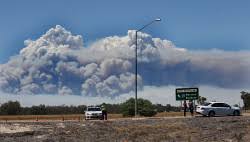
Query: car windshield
[206, 104]
[94, 109]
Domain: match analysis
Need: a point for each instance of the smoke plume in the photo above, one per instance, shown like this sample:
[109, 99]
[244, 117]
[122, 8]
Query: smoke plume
[59, 63]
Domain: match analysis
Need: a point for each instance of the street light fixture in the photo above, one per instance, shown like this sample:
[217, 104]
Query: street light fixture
[158, 19]
[136, 70]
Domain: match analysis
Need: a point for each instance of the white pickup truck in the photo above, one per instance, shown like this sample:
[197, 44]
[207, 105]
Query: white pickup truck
[93, 112]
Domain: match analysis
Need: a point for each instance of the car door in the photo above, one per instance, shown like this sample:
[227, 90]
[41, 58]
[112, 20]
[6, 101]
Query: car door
[216, 107]
[227, 109]
[222, 109]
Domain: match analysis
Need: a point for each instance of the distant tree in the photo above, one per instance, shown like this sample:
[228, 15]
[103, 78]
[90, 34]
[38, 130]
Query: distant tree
[245, 96]
[25, 111]
[160, 107]
[145, 107]
[10, 108]
[112, 108]
[128, 107]
[81, 109]
[168, 107]
[173, 108]
[39, 110]
[201, 100]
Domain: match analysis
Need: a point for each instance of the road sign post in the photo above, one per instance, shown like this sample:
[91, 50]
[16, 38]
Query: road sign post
[186, 94]
[183, 94]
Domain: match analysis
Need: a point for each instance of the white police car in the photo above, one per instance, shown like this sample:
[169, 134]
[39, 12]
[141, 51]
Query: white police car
[93, 112]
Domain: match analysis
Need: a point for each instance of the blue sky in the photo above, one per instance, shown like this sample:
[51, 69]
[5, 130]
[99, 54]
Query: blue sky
[192, 24]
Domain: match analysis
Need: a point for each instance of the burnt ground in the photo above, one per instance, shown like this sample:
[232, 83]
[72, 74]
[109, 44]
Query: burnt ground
[196, 129]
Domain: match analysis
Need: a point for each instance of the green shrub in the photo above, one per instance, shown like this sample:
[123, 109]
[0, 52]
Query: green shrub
[145, 107]
[10, 108]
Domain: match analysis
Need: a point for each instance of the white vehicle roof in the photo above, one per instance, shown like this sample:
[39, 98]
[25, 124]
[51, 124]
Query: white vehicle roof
[93, 107]
[217, 102]
[210, 103]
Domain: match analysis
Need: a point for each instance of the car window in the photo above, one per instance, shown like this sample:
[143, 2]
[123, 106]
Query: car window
[207, 104]
[214, 105]
[226, 105]
[94, 109]
[217, 105]
[220, 105]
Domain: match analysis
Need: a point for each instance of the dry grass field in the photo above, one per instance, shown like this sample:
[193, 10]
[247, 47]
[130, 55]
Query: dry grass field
[171, 114]
[164, 127]
[171, 129]
[74, 117]
[41, 117]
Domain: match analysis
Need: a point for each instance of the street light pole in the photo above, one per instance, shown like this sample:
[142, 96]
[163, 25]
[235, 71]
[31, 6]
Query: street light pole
[136, 65]
[136, 73]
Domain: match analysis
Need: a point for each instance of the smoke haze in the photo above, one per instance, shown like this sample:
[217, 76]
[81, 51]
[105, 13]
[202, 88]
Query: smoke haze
[58, 63]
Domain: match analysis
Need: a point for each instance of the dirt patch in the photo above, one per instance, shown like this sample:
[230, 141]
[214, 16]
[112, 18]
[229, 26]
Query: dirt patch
[13, 128]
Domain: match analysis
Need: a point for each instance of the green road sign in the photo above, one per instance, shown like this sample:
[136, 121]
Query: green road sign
[186, 94]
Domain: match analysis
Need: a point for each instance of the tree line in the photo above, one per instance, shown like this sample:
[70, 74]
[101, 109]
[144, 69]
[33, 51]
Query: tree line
[145, 108]
[14, 108]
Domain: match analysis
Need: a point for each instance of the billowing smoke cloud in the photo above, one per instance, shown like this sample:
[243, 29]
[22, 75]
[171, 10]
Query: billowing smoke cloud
[58, 63]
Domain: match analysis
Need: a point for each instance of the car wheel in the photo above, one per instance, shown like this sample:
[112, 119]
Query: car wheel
[236, 113]
[211, 114]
